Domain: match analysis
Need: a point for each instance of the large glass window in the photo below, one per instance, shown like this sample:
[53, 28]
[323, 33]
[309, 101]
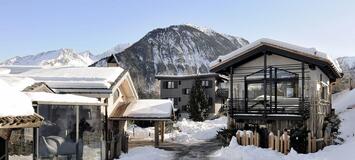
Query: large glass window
[70, 132]
[281, 90]
[90, 128]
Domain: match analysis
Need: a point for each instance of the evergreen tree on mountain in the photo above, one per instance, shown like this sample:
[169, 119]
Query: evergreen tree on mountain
[198, 103]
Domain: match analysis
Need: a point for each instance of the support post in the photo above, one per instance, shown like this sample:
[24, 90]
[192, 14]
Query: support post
[270, 83]
[162, 129]
[303, 83]
[156, 133]
[351, 86]
[265, 66]
[309, 148]
[106, 131]
[231, 91]
[275, 83]
[245, 95]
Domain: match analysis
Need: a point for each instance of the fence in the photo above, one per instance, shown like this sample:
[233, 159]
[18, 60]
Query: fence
[281, 142]
[248, 138]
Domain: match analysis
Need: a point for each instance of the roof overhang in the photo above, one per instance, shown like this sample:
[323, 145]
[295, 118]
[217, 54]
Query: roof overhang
[62, 99]
[144, 110]
[12, 122]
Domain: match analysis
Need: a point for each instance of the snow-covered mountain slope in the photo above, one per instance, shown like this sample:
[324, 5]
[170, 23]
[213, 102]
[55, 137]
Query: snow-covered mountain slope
[60, 57]
[347, 63]
[177, 49]
[117, 49]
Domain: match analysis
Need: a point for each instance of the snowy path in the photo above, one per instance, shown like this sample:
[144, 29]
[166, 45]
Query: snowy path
[193, 140]
[200, 151]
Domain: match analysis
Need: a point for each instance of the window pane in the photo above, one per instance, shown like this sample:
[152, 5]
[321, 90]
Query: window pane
[255, 90]
[90, 128]
[57, 134]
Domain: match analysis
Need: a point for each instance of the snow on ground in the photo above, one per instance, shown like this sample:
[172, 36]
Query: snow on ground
[140, 133]
[189, 131]
[344, 151]
[147, 152]
[193, 132]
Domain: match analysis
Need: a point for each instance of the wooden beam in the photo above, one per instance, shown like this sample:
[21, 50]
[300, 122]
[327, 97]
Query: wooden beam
[275, 83]
[162, 129]
[245, 95]
[231, 90]
[270, 89]
[265, 92]
[156, 133]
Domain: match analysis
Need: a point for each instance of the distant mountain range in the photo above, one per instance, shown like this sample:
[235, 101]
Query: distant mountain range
[62, 57]
[177, 49]
[174, 50]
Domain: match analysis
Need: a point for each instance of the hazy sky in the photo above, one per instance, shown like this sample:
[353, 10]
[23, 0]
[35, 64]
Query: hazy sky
[33, 26]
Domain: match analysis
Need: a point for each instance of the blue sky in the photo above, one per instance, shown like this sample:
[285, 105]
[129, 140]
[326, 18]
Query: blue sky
[33, 26]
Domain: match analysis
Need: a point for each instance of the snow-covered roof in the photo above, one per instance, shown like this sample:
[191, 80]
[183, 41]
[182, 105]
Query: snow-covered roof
[149, 109]
[76, 77]
[16, 69]
[18, 83]
[14, 102]
[182, 76]
[62, 99]
[308, 52]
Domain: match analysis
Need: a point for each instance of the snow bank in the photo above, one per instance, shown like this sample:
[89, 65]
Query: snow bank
[236, 152]
[193, 132]
[344, 151]
[147, 152]
[343, 100]
[14, 102]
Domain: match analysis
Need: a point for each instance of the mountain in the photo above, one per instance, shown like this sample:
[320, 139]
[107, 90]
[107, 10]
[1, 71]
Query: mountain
[118, 48]
[60, 57]
[347, 64]
[177, 49]
[63, 57]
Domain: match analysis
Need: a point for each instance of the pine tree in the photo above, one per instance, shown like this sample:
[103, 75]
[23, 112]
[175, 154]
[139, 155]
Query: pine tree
[198, 103]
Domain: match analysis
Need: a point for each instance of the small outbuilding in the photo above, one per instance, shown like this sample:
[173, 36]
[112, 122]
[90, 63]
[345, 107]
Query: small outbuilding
[157, 110]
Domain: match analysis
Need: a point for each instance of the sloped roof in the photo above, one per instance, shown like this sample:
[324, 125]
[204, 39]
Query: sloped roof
[144, 109]
[16, 109]
[76, 77]
[30, 121]
[62, 99]
[309, 55]
[191, 76]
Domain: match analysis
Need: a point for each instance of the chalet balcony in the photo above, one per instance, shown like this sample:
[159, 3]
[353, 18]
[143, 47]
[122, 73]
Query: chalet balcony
[260, 108]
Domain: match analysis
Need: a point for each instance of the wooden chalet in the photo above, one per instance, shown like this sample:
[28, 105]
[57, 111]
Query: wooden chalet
[278, 86]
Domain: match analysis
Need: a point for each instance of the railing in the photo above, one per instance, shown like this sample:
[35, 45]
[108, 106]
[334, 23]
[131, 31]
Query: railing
[294, 106]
